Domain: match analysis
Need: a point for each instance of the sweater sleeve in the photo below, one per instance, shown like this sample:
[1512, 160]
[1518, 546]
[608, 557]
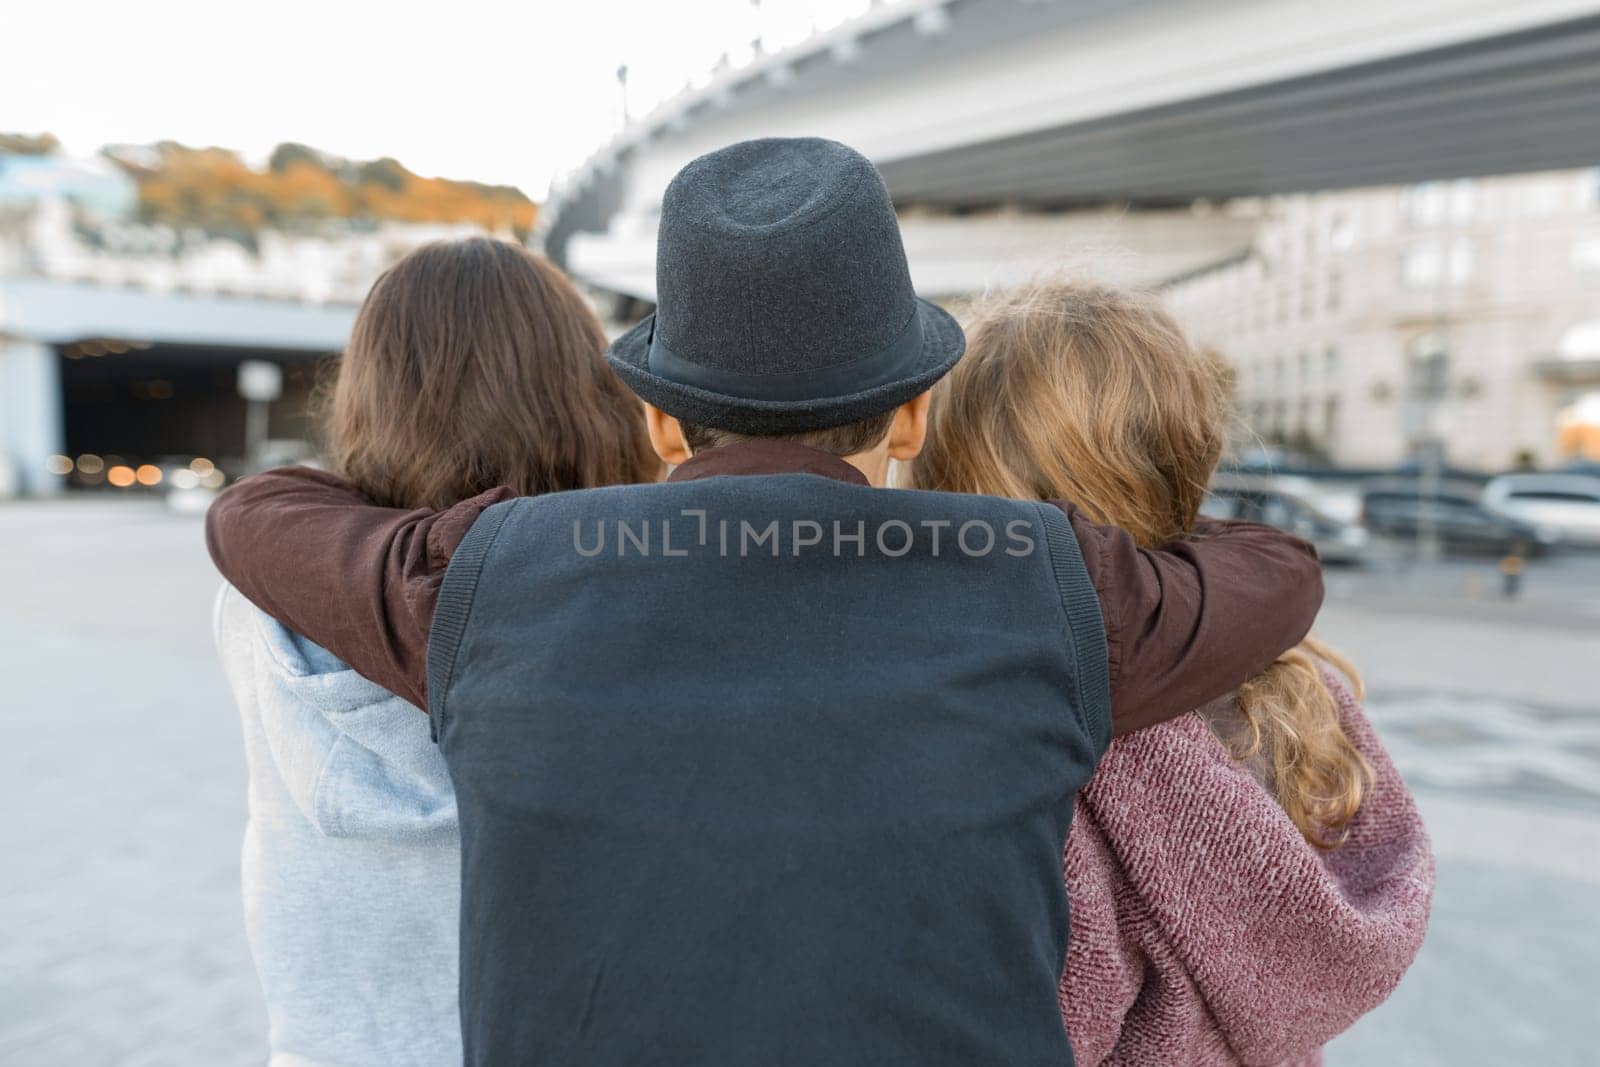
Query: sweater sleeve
[1105, 968]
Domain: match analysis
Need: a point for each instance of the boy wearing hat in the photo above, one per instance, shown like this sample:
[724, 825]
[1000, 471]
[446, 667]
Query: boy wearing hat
[767, 763]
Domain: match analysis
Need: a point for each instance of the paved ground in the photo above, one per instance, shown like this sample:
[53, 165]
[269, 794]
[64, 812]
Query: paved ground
[1492, 711]
[121, 766]
[123, 940]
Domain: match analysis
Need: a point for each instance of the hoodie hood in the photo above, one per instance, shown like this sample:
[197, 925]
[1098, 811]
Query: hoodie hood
[351, 865]
[1205, 930]
[357, 760]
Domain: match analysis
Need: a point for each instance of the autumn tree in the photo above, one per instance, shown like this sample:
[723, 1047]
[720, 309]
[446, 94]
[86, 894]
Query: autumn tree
[216, 190]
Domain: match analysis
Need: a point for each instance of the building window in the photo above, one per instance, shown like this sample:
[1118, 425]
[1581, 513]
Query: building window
[1537, 196]
[1425, 203]
[1580, 342]
[1342, 234]
[1435, 203]
[1330, 363]
[1422, 265]
[1335, 291]
[1330, 422]
[1435, 263]
[1586, 255]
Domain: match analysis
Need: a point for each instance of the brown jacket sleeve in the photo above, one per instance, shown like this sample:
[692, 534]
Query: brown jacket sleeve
[359, 580]
[1185, 623]
[1192, 620]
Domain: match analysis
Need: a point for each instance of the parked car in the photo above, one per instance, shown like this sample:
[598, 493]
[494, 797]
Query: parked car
[1264, 459]
[1262, 500]
[1397, 507]
[1568, 504]
[1412, 467]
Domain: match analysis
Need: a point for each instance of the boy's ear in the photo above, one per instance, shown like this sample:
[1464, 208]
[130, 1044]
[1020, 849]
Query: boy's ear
[666, 436]
[909, 430]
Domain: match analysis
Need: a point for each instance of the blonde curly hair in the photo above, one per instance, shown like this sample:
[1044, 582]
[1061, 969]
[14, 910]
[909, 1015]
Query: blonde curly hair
[1093, 394]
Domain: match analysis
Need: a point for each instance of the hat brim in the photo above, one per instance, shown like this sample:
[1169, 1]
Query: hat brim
[629, 355]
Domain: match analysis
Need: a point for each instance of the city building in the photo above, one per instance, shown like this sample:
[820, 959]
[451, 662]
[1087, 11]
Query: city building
[92, 185]
[53, 236]
[122, 340]
[1366, 324]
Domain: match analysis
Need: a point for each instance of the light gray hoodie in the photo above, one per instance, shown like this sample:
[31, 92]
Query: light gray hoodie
[351, 855]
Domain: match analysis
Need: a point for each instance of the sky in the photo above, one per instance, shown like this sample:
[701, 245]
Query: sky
[514, 91]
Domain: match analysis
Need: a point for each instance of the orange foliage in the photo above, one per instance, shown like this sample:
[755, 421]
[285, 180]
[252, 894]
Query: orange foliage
[213, 189]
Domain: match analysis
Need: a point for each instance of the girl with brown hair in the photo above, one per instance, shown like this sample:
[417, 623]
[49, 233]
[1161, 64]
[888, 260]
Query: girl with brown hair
[472, 365]
[1247, 880]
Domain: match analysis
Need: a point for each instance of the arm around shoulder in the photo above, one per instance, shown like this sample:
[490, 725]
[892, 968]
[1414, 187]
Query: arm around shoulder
[361, 580]
[1192, 620]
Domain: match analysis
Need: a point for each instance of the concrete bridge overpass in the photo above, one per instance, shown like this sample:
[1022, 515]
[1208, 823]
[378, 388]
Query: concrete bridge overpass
[972, 105]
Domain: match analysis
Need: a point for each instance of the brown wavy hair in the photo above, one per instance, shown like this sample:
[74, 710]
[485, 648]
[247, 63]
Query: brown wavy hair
[1092, 393]
[475, 364]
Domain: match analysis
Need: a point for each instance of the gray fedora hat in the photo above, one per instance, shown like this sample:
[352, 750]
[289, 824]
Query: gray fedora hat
[783, 299]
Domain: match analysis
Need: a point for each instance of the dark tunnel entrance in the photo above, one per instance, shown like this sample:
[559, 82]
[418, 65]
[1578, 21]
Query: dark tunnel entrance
[167, 404]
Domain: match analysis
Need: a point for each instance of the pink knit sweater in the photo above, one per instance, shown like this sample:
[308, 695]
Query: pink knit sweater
[1206, 931]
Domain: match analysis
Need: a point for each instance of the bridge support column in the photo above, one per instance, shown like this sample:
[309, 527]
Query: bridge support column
[31, 429]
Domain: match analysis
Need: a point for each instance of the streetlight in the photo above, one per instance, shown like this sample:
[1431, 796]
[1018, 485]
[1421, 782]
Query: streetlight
[260, 383]
[1429, 385]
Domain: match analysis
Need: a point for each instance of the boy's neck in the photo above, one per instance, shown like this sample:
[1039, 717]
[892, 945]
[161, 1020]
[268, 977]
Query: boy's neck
[778, 456]
[874, 464]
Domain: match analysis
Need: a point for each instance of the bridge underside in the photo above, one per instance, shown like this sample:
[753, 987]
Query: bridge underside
[955, 256]
[1524, 102]
[173, 401]
[138, 376]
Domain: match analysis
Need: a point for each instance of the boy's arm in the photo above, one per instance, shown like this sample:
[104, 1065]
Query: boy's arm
[1185, 623]
[1193, 620]
[360, 580]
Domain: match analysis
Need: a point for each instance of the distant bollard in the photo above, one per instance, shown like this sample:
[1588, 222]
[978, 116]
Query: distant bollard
[1511, 576]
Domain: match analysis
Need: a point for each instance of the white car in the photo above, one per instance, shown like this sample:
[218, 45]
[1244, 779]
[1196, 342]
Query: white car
[1268, 500]
[1566, 504]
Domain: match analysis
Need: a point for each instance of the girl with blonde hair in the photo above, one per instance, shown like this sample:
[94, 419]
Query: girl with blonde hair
[1247, 880]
